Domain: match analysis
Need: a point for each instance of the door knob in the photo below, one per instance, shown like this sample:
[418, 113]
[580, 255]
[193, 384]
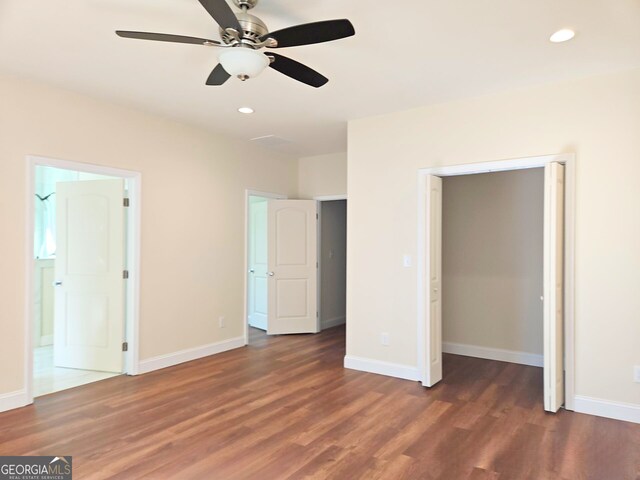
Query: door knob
[58, 283]
[252, 271]
[271, 274]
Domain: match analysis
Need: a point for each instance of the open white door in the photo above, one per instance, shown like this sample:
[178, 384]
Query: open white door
[554, 287]
[433, 307]
[90, 305]
[293, 263]
[258, 263]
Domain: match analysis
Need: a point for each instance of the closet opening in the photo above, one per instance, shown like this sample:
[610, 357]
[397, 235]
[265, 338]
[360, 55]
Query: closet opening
[497, 278]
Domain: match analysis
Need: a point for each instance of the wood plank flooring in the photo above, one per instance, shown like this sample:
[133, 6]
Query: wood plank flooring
[285, 408]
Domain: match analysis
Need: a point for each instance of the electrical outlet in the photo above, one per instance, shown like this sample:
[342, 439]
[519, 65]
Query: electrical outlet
[636, 374]
[221, 322]
[384, 339]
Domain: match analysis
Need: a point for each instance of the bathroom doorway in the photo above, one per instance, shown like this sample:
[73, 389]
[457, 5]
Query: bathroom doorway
[82, 275]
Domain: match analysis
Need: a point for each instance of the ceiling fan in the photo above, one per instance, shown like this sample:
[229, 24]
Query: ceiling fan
[243, 35]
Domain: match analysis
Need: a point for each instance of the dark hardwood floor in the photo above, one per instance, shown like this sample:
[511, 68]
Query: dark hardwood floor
[284, 407]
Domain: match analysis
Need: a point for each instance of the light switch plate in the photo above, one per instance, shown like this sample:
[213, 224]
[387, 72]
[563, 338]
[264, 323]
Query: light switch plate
[384, 339]
[406, 261]
[636, 374]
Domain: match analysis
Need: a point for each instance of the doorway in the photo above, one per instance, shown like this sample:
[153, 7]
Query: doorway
[257, 293]
[295, 265]
[82, 275]
[557, 265]
[492, 275]
[332, 257]
[492, 257]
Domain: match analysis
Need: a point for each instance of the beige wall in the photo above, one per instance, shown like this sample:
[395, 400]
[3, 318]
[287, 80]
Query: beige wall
[492, 256]
[333, 263]
[598, 119]
[322, 175]
[193, 186]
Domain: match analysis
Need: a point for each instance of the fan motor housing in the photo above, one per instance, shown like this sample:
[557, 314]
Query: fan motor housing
[252, 29]
[248, 4]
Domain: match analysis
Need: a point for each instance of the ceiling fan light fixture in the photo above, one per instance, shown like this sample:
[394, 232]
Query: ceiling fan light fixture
[243, 34]
[243, 63]
[246, 110]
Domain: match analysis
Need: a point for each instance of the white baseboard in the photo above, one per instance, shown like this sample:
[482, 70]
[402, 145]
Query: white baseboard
[627, 412]
[498, 354]
[332, 322]
[406, 372]
[171, 359]
[11, 400]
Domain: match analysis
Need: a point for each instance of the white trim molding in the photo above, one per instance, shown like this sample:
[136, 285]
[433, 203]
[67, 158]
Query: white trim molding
[332, 322]
[497, 166]
[190, 354]
[627, 412]
[405, 372]
[498, 354]
[330, 198]
[11, 400]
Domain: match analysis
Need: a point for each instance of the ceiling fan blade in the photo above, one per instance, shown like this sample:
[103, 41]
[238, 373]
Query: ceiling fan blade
[222, 13]
[165, 37]
[218, 77]
[297, 71]
[311, 33]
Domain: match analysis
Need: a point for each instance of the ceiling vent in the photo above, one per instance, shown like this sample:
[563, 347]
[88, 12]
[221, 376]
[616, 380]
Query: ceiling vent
[271, 141]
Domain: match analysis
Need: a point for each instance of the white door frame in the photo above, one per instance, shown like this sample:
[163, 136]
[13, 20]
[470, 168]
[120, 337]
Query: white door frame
[251, 193]
[319, 200]
[569, 264]
[132, 313]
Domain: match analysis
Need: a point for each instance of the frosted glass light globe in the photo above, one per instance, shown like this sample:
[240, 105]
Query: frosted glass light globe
[243, 62]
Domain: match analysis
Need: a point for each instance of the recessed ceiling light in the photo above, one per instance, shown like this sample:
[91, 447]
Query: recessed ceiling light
[246, 110]
[563, 35]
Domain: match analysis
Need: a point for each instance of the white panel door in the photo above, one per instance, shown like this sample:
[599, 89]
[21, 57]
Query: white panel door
[258, 264]
[554, 287]
[90, 304]
[433, 307]
[293, 264]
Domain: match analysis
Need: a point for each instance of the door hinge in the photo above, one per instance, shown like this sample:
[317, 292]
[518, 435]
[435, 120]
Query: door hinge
[125, 274]
[317, 216]
[125, 346]
[125, 202]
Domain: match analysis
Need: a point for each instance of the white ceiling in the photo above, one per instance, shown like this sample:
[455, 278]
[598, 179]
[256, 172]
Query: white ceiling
[404, 55]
